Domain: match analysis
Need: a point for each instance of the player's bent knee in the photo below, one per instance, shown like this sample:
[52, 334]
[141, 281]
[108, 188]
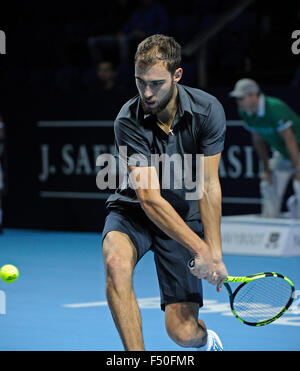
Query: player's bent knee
[118, 275]
[117, 267]
[182, 333]
[118, 242]
[183, 325]
[185, 336]
[119, 257]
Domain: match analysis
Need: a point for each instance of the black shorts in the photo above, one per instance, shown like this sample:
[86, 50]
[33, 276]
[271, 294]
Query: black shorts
[176, 283]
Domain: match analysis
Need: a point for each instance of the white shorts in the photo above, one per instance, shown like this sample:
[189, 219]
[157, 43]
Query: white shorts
[273, 194]
[279, 163]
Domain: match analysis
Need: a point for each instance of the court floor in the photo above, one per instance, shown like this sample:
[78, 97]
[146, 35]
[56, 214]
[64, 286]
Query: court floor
[59, 303]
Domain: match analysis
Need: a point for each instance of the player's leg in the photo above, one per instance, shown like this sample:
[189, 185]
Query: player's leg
[181, 293]
[120, 257]
[125, 241]
[183, 325]
[185, 329]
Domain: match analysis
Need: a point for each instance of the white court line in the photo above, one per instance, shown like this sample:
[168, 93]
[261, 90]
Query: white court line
[86, 305]
[152, 302]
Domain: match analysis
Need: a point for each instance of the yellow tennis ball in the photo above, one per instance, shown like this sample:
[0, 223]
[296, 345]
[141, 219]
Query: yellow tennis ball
[9, 273]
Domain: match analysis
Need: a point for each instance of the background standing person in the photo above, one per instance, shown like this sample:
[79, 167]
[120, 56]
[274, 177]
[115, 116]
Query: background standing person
[273, 125]
[169, 119]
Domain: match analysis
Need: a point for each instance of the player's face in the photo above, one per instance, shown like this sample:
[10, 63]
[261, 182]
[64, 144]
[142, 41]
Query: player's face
[156, 86]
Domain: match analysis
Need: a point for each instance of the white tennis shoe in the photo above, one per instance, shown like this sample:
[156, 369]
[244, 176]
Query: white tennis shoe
[213, 343]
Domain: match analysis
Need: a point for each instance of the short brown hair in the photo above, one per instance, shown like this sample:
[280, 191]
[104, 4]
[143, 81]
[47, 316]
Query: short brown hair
[159, 48]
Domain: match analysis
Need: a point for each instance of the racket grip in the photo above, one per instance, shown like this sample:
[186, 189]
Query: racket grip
[191, 263]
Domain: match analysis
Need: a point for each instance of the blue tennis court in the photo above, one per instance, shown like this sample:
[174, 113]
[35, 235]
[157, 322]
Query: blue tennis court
[59, 303]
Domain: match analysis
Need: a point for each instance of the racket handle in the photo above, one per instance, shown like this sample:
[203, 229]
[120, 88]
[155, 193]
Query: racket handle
[191, 263]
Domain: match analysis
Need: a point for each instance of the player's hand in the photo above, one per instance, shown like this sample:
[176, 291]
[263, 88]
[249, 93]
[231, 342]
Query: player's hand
[203, 265]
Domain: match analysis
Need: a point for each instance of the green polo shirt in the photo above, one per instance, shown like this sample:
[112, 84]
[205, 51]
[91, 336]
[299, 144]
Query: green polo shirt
[272, 117]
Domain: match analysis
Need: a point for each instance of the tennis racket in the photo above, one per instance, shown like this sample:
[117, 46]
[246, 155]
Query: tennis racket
[260, 298]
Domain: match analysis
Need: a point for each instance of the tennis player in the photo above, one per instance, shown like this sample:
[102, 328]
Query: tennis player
[165, 118]
[273, 125]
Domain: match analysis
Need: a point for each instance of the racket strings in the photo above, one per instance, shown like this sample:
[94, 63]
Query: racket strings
[262, 299]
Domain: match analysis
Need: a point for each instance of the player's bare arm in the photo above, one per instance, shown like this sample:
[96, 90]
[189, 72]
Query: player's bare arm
[210, 206]
[161, 213]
